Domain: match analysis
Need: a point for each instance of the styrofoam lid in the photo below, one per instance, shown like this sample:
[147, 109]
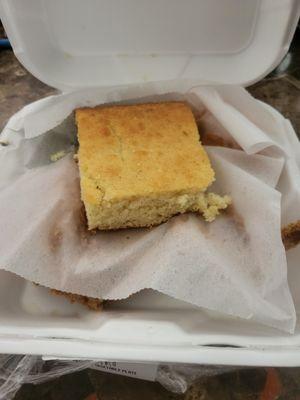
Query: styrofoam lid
[70, 44]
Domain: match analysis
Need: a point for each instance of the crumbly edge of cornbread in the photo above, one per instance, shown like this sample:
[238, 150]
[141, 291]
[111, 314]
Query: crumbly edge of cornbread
[149, 211]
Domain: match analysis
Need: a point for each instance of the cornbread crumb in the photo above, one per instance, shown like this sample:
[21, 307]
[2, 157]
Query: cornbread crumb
[57, 156]
[141, 164]
[214, 204]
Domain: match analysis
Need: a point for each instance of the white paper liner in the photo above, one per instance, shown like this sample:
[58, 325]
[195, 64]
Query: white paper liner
[236, 265]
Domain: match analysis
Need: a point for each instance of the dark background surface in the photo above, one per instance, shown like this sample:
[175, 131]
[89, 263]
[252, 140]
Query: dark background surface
[281, 89]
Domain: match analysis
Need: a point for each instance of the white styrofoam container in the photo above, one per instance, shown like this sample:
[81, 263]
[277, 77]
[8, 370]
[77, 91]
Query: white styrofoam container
[71, 44]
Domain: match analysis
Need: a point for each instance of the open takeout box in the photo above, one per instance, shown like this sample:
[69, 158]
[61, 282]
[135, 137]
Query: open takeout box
[73, 45]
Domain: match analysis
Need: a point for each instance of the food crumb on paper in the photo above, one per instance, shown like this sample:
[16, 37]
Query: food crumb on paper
[57, 156]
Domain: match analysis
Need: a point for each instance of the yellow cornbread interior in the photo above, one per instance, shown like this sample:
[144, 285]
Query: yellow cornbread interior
[141, 164]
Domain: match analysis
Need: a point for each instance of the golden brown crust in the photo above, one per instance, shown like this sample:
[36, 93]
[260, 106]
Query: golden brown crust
[139, 150]
[134, 151]
[90, 302]
[291, 235]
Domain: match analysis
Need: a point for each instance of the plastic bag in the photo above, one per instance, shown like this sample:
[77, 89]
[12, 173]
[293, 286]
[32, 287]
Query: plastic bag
[178, 377]
[16, 370]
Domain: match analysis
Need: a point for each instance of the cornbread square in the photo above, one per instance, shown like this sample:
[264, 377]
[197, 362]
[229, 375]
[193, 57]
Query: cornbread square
[141, 164]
